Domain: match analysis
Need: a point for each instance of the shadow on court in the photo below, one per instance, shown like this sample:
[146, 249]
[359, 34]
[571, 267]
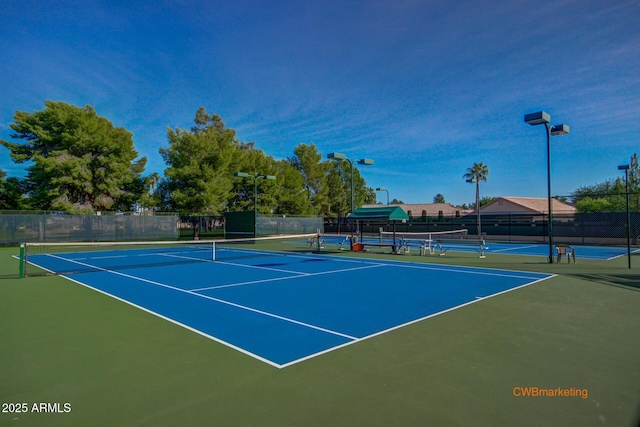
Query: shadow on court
[626, 280]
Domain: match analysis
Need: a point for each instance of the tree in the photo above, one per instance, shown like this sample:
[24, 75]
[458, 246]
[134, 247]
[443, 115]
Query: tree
[439, 198]
[308, 161]
[290, 196]
[80, 162]
[610, 195]
[607, 196]
[151, 198]
[11, 192]
[476, 173]
[339, 188]
[198, 178]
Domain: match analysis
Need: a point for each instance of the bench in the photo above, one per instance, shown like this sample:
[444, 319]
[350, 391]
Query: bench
[359, 246]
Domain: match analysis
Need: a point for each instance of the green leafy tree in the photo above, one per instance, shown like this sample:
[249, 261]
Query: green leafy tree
[610, 195]
[12, 192]
[439, 198]
[362, 194]
[80, 162]
[151, 197]
[198, 178]
[339, 188]
[594, 204]
[250, 160]
[607, 196]
[370, 196]
[308, 161]
[290, 197]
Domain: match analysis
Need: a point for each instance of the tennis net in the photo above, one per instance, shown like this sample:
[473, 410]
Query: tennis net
[432, 236]
[80, 257]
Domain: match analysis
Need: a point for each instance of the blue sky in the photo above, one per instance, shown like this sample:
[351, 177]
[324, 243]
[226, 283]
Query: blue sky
[425, 88]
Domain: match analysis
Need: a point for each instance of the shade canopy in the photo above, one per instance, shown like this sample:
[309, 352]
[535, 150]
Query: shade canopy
[392, 213]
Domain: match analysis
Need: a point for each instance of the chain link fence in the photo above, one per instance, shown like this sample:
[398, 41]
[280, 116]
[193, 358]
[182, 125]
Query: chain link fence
[43, 226]
[590, 228]
[275, 225]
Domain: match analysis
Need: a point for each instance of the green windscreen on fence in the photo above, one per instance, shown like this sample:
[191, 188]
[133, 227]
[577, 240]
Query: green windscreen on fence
[274, 225]
[239, 224]
[56, 227]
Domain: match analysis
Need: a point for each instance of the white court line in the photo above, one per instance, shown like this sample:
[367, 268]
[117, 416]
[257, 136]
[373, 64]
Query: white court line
[164, 285]
[275, 279]
[259, 267]
[467, 270]
[621, 255]
[512, 249]
[104, 257]
[175, 322]
[311, 356]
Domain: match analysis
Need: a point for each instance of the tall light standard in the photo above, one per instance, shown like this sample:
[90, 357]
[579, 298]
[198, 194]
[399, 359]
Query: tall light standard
[340, 156]
[384, 189]
[477, 183]
[542, 118]
[256, 176]
[625, 168]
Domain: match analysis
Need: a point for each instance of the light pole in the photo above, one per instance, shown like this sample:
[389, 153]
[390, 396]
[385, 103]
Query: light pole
[340, 156]
[477, 183]
[540, 118]
[625, 168]
[256, 176]
[384, 189]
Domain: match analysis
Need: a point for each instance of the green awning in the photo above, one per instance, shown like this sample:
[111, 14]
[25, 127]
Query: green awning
[394, 213]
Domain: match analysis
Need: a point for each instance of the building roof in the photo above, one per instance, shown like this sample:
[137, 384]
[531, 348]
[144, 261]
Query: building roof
[526, 204]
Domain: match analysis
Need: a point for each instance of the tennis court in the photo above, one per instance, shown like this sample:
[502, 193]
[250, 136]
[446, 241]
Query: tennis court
[281, 306]
[460, 243]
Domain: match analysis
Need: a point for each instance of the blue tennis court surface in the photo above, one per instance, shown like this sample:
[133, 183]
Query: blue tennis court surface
[287, 308]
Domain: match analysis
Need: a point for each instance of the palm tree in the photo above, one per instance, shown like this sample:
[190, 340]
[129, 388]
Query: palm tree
[476, 173]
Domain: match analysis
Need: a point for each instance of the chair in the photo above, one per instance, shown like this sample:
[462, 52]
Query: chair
[567, 250]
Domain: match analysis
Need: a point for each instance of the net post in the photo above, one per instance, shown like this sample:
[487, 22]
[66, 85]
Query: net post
[213, 251]
[23, 264]
[318, 237]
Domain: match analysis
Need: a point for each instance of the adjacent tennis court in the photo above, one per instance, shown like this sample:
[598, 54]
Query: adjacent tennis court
[276, 299]
[460, 241]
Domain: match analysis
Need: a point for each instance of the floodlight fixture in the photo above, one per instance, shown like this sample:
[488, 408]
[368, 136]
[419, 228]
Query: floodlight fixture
[537, 118]
[559, 130]
[336, 156]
